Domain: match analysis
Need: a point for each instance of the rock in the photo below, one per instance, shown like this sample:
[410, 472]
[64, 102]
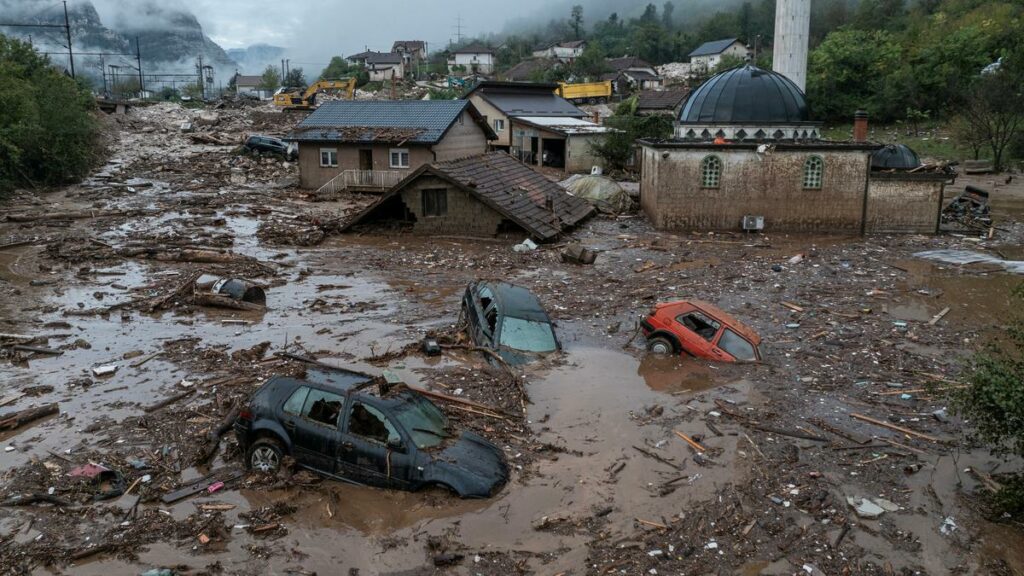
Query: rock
[865, 508]
[886, 505]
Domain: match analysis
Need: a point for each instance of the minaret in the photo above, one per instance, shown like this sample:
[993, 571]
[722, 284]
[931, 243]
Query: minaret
[792, 27]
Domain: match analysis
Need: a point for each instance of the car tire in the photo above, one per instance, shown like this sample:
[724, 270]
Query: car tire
[265, 455]
[661, 345]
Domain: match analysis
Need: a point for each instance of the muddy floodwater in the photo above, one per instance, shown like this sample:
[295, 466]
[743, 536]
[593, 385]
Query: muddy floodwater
[621, 462]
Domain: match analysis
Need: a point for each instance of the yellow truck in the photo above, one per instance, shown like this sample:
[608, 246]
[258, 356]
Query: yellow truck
[306, 100]
[586, 92]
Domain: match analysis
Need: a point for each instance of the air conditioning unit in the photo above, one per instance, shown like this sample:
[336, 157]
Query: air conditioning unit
[753, 223]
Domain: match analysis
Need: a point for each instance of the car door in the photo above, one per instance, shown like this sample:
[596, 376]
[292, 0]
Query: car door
[314, 430]
[698, 334]
[364, 454]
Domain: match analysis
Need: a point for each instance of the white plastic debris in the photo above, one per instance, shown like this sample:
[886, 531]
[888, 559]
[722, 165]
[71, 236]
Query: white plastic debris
[104, 370]
[948, 526]
[525, 246]
[711, 545]
[865, 508]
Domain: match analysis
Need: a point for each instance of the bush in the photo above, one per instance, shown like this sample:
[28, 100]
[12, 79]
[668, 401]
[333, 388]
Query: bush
[618, 148]
[994, 401]
[48, 134]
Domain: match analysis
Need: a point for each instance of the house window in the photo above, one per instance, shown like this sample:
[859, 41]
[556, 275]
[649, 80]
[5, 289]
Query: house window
[499, 125]
[399, 158]
[814, 168]
[435, 202]
[328, 157]
[710, 172]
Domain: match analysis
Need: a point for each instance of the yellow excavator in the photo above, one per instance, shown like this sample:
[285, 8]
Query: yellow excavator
[306, 100]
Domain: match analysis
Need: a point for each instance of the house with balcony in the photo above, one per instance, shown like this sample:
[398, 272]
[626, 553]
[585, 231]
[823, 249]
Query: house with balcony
[372, 145]
[472, 59]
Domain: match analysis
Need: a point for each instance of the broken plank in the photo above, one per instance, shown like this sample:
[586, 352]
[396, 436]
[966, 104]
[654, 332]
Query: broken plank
[781, 432]
[792, 306]
[690, 441]
[11, 398]
[661, 459]
[145, 359]
[894, 427]
[935, 319]
[18, 419]
[200, 485]
[169, 401]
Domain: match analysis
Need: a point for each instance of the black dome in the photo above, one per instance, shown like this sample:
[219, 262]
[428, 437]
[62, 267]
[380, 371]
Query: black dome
[895, 157]
[743, 95]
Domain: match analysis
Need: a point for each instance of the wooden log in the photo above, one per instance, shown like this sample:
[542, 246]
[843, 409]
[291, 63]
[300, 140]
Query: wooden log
[168, 401]
[690, 441]
[792, 306]
[214, 436]
[894, 427]
[218, 301]
[68, 215]
[37, 350]
[19, 419]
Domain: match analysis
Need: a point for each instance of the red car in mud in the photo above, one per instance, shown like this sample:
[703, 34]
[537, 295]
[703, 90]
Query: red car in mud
[699, 329]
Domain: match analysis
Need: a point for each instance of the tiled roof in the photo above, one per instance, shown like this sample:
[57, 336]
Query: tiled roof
[640, 74]
[241, 80]
[473, 49]
[419, 121]
[620, 64]
[408, 45]
[525, 69]
[661, 99]
[384, 58]
[541, 207]
[713, 47]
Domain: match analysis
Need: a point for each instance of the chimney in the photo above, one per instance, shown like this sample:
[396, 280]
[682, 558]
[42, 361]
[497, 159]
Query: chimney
[860, 126]
[596, 117]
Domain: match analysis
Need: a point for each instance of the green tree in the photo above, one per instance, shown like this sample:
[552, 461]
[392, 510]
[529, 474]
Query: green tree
[294, 79]
[849, 71]
[618, 148]
[996, 111]
[591, 64]
[577, 20]
[270, 79]
[667, 13]
[48, 134]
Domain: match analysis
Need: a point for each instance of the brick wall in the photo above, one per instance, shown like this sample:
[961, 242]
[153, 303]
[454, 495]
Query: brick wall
[466, 215]
[904, 203]
[672, 196]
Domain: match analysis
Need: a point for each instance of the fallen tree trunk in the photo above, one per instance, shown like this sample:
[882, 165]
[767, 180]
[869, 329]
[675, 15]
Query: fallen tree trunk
[18, 419]
[225, 302]
[168, 401]
[214, 436]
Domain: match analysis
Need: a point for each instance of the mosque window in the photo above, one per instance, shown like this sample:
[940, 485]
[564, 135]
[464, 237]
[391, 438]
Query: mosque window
[711, 172]
[814, 168]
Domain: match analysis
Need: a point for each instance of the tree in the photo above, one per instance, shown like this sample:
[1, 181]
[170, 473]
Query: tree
[965, 132]
[271, 79]
[577, 19]
[996, 111]
[48, 134]
[591, 64]
[667, 11]
[850, 71]
[994, 400]
[617, 149]
[728, 62]
[294, 79]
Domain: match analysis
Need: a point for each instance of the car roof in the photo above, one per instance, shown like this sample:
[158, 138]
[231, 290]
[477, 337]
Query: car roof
[345, 387]
[515, 301]
[726, 318]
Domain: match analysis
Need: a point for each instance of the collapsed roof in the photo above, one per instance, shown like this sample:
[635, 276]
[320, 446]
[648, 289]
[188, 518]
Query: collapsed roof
[539, 206]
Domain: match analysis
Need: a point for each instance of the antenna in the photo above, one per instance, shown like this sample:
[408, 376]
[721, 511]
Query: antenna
[458, 28]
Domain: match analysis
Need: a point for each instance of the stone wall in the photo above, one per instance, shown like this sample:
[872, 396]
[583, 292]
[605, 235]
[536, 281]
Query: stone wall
[466, 216]
[904, 203]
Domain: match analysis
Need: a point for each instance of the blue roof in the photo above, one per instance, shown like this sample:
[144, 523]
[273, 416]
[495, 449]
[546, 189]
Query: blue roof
[415, 121]
[713, 47]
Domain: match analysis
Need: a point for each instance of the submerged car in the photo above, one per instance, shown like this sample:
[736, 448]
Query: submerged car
[271, 145]
[339, 429]
[508, 319]
[699, 329]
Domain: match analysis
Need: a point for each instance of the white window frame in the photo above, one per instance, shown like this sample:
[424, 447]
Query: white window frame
[400, 152]
[499, 125]
[330, 152]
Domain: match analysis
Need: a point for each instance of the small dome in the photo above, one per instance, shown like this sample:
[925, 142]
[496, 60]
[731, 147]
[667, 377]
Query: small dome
[895, 157]
[746, 94]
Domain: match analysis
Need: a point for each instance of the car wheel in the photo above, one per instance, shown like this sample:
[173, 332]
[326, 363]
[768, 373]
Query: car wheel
[265, 456]
[661, 345]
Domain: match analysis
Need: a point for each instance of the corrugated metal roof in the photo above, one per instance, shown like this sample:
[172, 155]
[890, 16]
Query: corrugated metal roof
[420, 121]
[713, 47]
[565, 124]
[541, 207]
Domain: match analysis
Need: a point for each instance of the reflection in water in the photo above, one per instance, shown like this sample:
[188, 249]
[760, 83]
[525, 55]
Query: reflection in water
[676, 373]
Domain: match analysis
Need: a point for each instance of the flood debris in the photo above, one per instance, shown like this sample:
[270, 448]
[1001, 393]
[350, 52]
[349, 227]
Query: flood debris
[15, 420]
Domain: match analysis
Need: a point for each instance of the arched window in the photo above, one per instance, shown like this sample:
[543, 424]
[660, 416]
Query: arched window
[710, 172]
[814, 168]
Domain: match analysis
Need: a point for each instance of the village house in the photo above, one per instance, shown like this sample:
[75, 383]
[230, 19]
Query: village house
[565, 52]
[629, 74]
[385, 66]
[536, 125]
[709, 54]
[529, 69]
[482, 196]
[413, 51]
[373, 144]
[667, 102]
[745, 155]
[360, 58]
[251, 86]
[475, 58]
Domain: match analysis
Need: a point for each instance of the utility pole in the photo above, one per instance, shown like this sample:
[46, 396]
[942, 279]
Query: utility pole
[458, 28]
[67, 32]
[282, 71]
[138, 59]
[103, 72]
[199, 78]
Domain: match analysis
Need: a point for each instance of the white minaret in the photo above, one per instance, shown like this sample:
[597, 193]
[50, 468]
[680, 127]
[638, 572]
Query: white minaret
[792, 28]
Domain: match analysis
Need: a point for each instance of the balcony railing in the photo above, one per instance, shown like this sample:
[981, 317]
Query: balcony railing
[362, 180]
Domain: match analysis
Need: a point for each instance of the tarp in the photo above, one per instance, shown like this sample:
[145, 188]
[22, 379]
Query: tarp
[601, 191]
[968, 257]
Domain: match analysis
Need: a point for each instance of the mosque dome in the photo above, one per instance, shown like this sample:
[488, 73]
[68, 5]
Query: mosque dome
[746, 95]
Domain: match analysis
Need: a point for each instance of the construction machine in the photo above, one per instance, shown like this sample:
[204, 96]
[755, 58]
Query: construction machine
[586, 92]
[306, 100]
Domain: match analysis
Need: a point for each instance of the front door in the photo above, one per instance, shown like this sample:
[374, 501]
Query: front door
[366, 159]
[364, 454]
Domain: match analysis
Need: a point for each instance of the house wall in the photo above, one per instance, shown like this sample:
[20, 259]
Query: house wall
[484, 62]
[467, 216]
[491, 113]
[579, 157]
[313, 176]
[904, 203]
[464, 138]
[771, 186]
[383, 74]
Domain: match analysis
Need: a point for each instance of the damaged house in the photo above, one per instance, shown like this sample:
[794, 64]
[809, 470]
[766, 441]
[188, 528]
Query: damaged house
[482, 196]
[372, 145]
[745, 155]
[536, 125]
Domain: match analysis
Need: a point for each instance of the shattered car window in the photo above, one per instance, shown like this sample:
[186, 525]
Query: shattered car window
[423, 420]
[370, 423]
[734, 344]
[296, 401]
[527, 335]
[323, 407]
[705, 327]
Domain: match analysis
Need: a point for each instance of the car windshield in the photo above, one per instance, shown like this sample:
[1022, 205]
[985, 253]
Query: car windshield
[527, 335]
[424, 421]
